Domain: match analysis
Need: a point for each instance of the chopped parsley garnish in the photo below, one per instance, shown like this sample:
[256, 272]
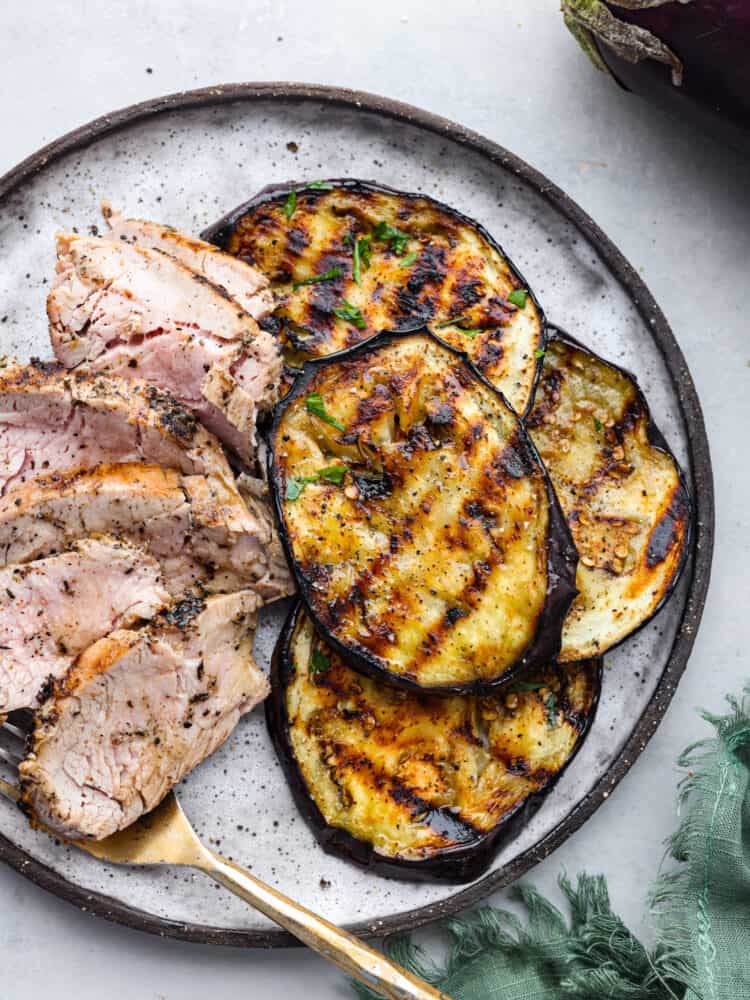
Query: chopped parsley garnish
[526, 686]
[315, 405]
[451, 322]
[319, 186]
[551, 705]
[408, 259]
[333, 474]
[539, 353]
[290, 204]
[598, 425]
[295, 485]
[319, 663]
[518, 298]
[365, 252]
[459, 323]
[351, 314]
[360, 255]
[386, 233]
[330, 275]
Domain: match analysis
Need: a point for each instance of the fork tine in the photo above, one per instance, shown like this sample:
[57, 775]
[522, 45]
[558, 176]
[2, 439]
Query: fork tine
[12, 743]
[23, 718]
[12, 740]
[9, 757]
[9, 730]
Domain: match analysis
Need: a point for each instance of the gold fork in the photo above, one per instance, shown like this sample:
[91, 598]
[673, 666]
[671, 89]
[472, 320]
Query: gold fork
[165, 837]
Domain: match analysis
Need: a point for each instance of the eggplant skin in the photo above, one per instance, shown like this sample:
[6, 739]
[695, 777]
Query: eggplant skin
[440, 560]
[621, 489]
[419, 787]
[712, 38]
[450, 268]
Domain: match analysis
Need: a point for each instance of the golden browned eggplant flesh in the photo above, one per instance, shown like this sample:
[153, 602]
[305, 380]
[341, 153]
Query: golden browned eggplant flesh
[620, 488]
[348, 259]
[420, 786]
[424, 534]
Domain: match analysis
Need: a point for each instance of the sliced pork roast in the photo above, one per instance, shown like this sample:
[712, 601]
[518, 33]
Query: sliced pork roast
[134, 311]
[138, 711]
[247, 286]
[52, 420]
[52, 609]
[199, 531]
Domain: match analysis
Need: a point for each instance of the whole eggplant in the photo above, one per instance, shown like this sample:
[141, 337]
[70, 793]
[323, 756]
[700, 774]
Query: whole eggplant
[691, 57]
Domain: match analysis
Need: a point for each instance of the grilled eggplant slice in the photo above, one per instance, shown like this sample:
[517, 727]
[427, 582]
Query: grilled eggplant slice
[418, 786]
[620, 488]
[424, 533]
[349, 259]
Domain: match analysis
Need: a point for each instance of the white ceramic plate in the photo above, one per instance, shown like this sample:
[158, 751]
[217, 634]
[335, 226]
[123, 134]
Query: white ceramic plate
[187, 160]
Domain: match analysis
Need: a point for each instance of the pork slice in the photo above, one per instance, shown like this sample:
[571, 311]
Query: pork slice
[199, 531]
[133, 311]
[247, 286]
[206, 375]
[52, 609]
[52, 420]
[137, 712]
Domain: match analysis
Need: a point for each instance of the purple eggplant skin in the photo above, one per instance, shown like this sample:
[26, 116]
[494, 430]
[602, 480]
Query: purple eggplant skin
[711, 38]
[456, 866]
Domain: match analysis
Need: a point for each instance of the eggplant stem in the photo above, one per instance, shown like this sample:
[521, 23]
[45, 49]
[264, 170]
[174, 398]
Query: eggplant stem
[591, 21]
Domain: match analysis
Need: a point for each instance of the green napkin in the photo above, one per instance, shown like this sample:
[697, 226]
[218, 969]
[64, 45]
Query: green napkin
[700, 906]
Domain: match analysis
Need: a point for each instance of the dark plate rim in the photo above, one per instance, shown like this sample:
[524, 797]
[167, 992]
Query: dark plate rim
[101, 905]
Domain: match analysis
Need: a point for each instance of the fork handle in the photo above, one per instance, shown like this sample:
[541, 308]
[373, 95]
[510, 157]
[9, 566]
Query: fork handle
[336, 945]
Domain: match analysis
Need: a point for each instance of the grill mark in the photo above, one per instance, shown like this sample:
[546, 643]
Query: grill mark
[254, 234]
[271, 324]
[491, 351]
[316, 314]
[445, 824]
[578, 719]
[429, 269]
[668, 530]
[466, 598]
[499, 312]
[357, 594]
[297, 241]
[381, 630]
[411, 307]
[588, 488]
[468, 293]
[633, 414]
[371, 408]
[201, 279]
[301, 337]
[515, 460]
[373, 486]
[418, 439]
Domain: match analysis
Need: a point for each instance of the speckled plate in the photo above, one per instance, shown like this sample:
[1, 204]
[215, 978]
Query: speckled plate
[186, 160]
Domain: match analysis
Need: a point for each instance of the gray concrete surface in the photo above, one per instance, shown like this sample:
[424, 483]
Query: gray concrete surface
[675, 203]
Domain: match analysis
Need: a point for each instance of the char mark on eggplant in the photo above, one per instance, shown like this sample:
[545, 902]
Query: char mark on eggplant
[350, 259]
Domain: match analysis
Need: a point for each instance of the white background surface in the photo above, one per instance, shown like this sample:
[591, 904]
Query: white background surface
[675, 203]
